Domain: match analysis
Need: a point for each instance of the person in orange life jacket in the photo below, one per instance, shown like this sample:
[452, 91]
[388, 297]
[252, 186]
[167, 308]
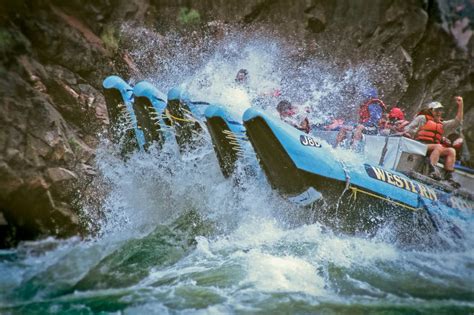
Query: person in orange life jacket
[289, 114]
[429, 128]
[394, 123]
[370, 114]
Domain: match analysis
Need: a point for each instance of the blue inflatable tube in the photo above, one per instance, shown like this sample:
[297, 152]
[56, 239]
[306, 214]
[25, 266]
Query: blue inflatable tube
[123, 122]
[149, 106]
[229, 139]
[186, 117]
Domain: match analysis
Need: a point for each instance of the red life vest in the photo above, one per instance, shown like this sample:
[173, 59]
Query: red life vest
[364, 114]
[431, 132]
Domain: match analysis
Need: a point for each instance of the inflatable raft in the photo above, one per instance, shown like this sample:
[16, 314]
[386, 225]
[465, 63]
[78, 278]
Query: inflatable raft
[384, 184]
[297, 163]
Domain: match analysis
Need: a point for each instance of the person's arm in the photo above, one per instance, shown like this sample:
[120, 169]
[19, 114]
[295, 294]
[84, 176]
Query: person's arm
[304, 125]
[450, 126]
[460, 113]
[412, 128]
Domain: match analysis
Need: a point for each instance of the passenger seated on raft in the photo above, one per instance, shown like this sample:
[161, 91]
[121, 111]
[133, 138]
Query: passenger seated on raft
[456, 141]
[370, 114]
[289, 114]
[394, 123]
[428, 127]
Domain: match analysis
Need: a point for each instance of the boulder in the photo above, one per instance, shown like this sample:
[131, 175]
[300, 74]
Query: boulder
[59, 174]
[9, 182]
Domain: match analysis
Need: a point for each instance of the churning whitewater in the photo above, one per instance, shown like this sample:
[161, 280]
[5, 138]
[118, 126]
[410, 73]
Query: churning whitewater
[171, 235]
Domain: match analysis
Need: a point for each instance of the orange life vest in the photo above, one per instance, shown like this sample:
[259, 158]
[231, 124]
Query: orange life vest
[431, 132]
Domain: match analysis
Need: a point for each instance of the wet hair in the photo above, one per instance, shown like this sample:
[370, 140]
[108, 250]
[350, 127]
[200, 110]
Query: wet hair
[243, 72]
[425, 111]
[283, 105]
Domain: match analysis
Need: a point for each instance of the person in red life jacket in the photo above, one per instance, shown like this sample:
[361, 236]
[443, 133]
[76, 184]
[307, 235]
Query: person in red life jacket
[428, 127]
[289, 114]
[395, 122]
[370, 114]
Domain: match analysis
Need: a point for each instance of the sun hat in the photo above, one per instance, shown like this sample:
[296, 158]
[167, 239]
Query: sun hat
[435, 105]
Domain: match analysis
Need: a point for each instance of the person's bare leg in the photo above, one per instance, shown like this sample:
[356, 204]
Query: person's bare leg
[450, 158]
[341, 135]
[357, 136]
[435, 150]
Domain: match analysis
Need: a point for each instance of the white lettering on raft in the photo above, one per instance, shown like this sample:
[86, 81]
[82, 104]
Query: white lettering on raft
[400, 182]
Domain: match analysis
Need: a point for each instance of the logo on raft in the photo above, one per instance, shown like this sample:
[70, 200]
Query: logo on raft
[308, 141]
[400, 182]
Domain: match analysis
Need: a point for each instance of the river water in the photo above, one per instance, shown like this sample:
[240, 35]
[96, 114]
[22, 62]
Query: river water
[174, 237]
[178, 238]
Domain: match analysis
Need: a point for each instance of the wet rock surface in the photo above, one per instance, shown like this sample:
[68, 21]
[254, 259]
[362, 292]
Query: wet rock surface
[52, 65]
[55, 54]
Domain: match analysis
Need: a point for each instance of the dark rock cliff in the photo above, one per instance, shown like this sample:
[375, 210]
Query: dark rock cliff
[55, 54]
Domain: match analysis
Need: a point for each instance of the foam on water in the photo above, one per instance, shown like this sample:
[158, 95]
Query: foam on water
[270, 273]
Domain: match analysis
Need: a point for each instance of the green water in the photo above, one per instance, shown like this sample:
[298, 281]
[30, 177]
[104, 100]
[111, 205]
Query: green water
[195, 243]
[260, 267]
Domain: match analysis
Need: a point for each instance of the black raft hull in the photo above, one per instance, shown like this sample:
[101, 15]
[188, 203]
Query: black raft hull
[226, 150]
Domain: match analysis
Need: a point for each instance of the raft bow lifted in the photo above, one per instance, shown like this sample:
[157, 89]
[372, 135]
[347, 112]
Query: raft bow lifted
[295, 162]
[354, 195]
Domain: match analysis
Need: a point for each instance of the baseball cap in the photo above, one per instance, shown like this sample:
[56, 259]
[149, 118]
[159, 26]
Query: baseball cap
[435, 105]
